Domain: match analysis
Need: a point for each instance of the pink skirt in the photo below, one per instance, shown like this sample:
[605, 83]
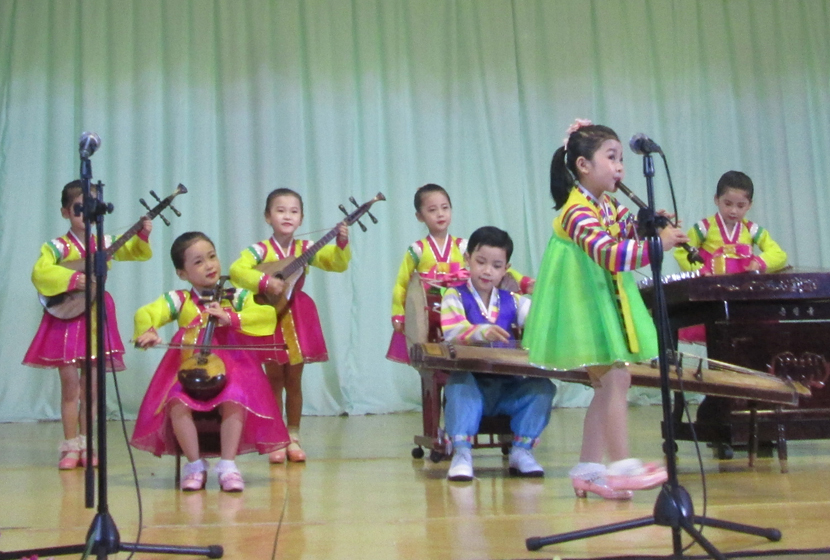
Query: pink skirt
[398, 349]
[263, 430]
[299, 335]
[62, 342]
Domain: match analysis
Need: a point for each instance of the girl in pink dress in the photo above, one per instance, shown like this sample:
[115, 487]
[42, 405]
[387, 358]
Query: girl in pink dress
[61, 343]
[298, 331]
[250, 418]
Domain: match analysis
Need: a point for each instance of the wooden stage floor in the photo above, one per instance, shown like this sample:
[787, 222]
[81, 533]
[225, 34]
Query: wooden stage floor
[362, 496]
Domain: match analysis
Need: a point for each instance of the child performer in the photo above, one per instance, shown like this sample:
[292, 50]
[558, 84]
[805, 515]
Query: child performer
[298, 327]
[589, 312]
[479, 311]
[439, 253]
[61, 343]
[250, 417]
[726, 241]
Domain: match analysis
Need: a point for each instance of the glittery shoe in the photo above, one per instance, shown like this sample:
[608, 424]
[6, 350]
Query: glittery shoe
[600, 488]
[231, 481]
[70, 456]
[632, 474]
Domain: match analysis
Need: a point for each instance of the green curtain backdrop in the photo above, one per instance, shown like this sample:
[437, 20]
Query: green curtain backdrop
[338, 98]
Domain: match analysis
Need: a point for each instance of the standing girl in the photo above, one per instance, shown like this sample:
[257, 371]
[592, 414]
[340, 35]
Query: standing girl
[61, 343]
[437, 254]
[298, 328]
[588, 312]
[250, 418]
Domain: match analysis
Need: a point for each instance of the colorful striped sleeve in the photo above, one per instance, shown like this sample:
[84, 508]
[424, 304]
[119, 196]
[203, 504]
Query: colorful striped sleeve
[454, 323]
[617, 255]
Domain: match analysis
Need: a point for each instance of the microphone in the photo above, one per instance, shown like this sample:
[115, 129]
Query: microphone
[88, 143]
[643, 145]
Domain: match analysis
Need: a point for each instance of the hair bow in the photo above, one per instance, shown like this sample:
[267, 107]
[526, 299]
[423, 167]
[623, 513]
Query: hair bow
[577, 124]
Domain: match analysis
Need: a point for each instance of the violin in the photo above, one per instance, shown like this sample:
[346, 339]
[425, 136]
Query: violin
[202, 375]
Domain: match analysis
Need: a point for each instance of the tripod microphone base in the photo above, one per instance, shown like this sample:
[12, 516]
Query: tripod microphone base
[674, 509]
[103, 540]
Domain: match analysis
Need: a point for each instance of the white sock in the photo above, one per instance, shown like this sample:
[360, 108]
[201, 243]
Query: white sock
[588, 471]
[196, 466]
[226, 465]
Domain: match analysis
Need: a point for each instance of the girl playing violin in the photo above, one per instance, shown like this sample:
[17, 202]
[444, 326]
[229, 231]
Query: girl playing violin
[61, 343]
[250, 418]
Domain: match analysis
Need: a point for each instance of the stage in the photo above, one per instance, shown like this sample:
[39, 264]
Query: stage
[362, 496]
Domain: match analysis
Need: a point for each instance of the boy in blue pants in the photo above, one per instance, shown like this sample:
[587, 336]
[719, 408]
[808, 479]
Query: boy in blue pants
[480, 312]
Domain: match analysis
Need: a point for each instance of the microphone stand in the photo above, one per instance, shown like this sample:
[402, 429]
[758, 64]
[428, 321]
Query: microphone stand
[673, 507]
[102, 538]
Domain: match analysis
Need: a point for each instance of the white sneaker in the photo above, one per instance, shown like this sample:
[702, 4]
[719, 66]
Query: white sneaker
[522, 463]
[461, 468]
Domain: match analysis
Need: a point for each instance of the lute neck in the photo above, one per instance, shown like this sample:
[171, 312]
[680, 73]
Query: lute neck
[303, 259]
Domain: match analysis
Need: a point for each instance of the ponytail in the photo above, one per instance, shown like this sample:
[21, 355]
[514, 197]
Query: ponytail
[561, 180]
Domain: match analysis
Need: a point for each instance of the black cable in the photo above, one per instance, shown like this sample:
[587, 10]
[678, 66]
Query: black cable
[127, 443]
[279, 522]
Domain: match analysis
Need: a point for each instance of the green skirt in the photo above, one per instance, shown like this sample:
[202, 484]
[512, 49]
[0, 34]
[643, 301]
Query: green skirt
[575, 321]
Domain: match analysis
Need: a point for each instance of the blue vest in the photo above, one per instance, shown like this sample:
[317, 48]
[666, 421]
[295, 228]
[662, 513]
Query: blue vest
[508, 314]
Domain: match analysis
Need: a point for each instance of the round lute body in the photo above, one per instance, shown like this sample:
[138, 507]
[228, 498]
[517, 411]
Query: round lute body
[290, 273]
[203, 375]
[67, 305]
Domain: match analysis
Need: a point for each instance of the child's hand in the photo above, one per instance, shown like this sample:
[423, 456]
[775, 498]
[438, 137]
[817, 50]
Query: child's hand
[671, 237]
[80, 283]
[148, 339]
[342, 234]
[665, 214]
[494, 333]
[530, 285]
[753, 267]
[275, 286]
[222, 316]
[147, 225]
[398, 325]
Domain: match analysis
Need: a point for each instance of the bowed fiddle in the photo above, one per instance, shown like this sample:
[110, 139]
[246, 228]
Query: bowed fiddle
[202, 375]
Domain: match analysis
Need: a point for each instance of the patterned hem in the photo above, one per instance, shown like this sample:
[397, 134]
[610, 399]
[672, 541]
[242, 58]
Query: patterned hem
[525, 441]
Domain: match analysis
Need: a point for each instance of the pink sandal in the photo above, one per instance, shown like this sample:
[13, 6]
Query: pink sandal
[70, 455]
[277, 457]
[194, 481]
[83, 458]
[295, 452]
[231, 481]
[645, 477]
[598, 487]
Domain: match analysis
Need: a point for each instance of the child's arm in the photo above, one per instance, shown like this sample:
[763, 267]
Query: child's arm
[526, 283]
[335, 258]
[138, 248]
[772, 257]
[250, 318]
[154, 315]
[243, 272]
[616, 255]
[405, 271]
[682, 256]
[522, 309]
[49, 277]
[455, 325]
